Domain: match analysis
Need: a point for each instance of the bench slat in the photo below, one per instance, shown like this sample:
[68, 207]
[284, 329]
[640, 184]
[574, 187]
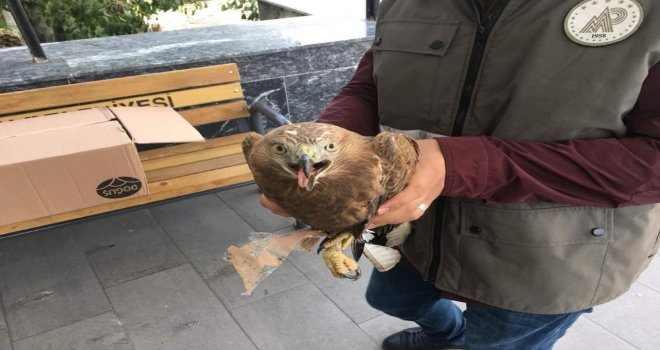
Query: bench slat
[201, 182]
[217, 113]
[50, 97]
[182, 98]
[159, 191]
[190, 147]
[192, 157]
[194, 168]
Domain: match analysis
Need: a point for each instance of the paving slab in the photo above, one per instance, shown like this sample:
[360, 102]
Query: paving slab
[633, 317]
[127, 246]
[175, 309]
[103, 332]
[3, 324]
[228, 286]
[651, 276]
[5, 343]
[46, 282]
[37, 244]
[347, 294]
[379, 328]
[585, 334]
[203, 228]
[244, 201]
[299, 319]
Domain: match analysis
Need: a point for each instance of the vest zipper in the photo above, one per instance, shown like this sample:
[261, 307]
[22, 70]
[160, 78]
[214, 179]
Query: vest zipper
[483, 31]
[484, 27]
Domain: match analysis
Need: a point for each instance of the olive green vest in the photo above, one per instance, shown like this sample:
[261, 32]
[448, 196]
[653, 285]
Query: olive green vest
[531, 83]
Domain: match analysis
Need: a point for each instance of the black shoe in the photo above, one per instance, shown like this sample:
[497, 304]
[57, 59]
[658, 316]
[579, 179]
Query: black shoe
[415, 339]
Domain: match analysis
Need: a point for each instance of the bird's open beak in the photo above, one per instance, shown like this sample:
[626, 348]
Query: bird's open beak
[306, 172]
[306, 164]
[307, 167]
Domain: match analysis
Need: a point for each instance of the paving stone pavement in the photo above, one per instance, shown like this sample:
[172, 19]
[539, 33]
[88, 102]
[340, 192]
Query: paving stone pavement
[46, 282]
[5, 343]
[155, 278]
[104, 331]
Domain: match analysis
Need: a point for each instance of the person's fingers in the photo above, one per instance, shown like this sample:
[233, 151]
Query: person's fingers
[424, 186]
[270, 205]
[400, 208]
[414, 191]
[402, 213]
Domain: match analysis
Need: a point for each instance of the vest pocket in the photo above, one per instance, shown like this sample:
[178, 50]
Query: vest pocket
[409, 56]
[537, 260]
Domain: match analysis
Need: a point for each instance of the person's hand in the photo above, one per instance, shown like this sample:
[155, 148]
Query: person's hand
[424, 186]
[270, 205]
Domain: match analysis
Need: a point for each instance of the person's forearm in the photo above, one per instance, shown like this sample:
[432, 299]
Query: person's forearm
[602, 172]
[355, 108]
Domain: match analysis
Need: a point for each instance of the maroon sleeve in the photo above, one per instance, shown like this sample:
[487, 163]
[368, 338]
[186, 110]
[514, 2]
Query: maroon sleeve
[355, 108]
[600, 172]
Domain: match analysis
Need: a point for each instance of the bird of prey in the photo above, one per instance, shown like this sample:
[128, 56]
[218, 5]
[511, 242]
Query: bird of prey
[333, 180]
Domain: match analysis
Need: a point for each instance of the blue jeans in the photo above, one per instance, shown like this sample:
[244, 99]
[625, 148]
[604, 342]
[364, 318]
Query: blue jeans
[402, 293]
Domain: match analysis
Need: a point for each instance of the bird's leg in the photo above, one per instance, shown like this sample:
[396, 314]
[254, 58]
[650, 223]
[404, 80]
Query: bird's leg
[340, 265]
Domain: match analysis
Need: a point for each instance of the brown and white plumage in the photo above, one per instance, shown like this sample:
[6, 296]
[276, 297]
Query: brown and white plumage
[328, 177]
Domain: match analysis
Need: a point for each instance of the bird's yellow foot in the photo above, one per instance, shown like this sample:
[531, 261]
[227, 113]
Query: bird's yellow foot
[340, 265]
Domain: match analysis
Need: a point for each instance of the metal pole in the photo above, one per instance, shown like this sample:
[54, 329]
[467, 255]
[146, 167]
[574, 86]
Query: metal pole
[258, 110]
[372, 9]
[27, 31]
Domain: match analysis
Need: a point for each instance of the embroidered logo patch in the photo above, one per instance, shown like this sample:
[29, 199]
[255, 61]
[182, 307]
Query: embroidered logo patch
[602, 22]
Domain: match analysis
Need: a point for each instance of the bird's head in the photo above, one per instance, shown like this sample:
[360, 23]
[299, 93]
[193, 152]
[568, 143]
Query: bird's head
[305, 151]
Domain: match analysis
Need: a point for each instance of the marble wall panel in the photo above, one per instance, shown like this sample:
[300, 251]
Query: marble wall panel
[309, 94]
[300, 61]
[270, 92]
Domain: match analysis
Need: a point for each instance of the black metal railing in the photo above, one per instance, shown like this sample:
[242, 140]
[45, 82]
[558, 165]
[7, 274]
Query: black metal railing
[27, 31]
[259, 110]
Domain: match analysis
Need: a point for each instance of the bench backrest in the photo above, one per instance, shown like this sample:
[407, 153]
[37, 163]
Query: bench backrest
[202, 95]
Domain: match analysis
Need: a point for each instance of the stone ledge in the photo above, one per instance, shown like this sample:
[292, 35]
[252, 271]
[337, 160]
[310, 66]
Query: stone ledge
[291, 8]
[265, 45]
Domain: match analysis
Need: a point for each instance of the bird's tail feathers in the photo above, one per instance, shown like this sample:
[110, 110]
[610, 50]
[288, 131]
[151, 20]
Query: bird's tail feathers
[383, 258]
[398, 235]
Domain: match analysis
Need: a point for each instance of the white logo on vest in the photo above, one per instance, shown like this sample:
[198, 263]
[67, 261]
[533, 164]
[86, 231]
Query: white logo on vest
[602, 22]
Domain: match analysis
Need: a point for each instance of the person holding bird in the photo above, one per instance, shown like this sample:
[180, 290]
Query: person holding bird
[534, 196]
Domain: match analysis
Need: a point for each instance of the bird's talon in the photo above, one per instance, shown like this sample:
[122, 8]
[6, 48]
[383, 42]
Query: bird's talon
[341, 240]
[340, 265]
[354, 276]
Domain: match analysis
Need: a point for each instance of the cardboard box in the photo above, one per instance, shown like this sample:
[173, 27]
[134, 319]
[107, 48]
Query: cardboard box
[64, 162]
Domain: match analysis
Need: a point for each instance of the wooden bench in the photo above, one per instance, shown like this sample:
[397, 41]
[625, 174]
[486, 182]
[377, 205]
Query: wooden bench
[202, 95]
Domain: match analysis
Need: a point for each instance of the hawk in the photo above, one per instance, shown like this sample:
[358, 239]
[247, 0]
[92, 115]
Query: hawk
[333, 180]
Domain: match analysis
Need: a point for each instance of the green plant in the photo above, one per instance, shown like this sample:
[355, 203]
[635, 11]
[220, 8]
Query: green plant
[249, 8]
[59, 20]
[3, 6]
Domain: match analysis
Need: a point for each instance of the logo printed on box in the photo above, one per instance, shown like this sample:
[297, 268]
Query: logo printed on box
[119, 187]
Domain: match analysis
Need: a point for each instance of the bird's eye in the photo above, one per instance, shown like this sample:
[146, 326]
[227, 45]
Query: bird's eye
[279, 149]
[330, 147]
